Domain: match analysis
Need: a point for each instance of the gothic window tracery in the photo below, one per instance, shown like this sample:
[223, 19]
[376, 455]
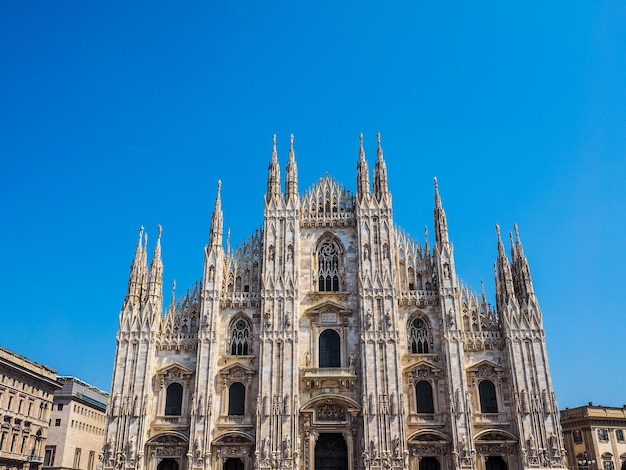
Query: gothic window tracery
[328, 266]
[418, 337]
[240, 341]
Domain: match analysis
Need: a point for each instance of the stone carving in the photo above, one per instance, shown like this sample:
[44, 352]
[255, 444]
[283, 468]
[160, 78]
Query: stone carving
[330, 412]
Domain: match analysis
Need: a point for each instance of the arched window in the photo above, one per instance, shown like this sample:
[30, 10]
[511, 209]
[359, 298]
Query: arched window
[488, 401]
[174, 400]
[240, 338]
[328, 267]
[418, 337]
[424, 396]
[236, 399]
[330, 349]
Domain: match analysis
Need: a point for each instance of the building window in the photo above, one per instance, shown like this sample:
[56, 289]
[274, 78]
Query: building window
[578, 436]
[603, 434]
[76, 458]
[424, 396]
[330, 349]
[92, 456]
[607, 463]
[48, 458]
[240, 338]
[174, 400]
[418, 337]
[60, 406]
[488, 401]
[236, 399]
[619, 435]
[57, 422]
[328, 258]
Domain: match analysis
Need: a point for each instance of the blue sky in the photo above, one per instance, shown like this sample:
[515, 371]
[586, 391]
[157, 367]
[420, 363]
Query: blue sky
[115, 115]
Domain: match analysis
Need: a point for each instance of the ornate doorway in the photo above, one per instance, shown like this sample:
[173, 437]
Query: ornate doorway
[429, 463]
[495, 463]
[331, 452]
[233, 464]
[168, 464]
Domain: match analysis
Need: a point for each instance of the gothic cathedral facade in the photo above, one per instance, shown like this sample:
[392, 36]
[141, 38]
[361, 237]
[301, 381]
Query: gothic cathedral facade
[330, 339]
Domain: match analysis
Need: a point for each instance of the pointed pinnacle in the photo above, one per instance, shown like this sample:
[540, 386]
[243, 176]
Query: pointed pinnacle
[291, 153]
[274, 152]
[361, 150]
[380, 148]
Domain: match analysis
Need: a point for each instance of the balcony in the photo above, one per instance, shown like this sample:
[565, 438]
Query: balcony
[329, 377]
[170, 422]
[426, 419]
[235, 422]
[491, 419]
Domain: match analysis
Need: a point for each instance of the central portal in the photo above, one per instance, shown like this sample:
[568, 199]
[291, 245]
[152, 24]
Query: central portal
[331, 452]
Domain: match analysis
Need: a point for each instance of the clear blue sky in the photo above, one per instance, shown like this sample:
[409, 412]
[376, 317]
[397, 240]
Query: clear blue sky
[115, 115]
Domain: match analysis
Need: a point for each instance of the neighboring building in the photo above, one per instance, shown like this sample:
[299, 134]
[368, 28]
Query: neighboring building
[26, 390]
[595, 437]
[331, 339]
[76, 426]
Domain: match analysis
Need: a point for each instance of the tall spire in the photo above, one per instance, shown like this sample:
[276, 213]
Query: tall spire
[504, 279]
[156, 270]
[441, 223]
[273, 174]
[215, 236]
[521, 269]
[291, 179]
[362, 177]
[134, 279]
[381, 185]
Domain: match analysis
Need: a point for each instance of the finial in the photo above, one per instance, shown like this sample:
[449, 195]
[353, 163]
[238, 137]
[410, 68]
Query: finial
[511, 239]
[291, 140]
[140, 237]
[516, 233]
[160, 229]
[361, 150]
[274, 140]
[378, 138]
[436, 184]
[498, 230]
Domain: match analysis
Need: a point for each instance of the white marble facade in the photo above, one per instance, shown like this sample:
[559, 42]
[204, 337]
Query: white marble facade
[331, 339]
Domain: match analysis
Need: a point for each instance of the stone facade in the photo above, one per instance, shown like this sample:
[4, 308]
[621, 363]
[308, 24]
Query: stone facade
[595, 437]
[77, 426]
[26, 389]
[331, 339]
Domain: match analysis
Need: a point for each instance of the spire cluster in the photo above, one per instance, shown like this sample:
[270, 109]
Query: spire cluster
[513, 279]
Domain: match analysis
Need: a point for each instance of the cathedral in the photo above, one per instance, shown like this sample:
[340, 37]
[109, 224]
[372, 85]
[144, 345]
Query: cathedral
[331, 339]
